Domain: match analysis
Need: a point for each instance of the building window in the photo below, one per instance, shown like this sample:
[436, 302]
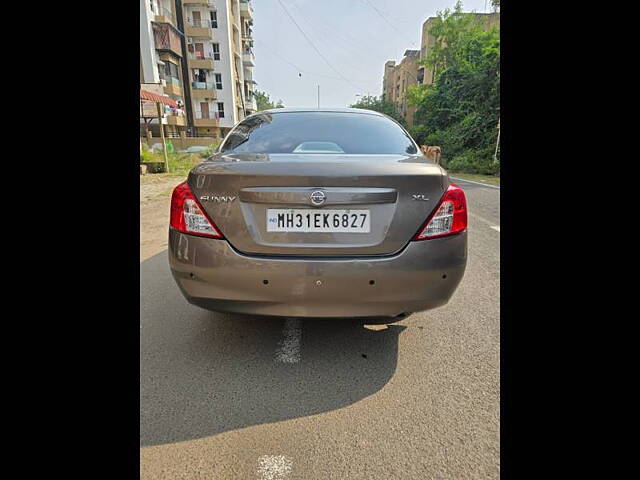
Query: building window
[220, 109]
[214, 19]
[218, 81]
[216, 51]
[200, 75]
[171, 70]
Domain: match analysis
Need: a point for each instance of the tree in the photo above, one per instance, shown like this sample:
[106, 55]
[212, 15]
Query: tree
[449, 29]
[263, 102]
[379, 104]
[461, 109]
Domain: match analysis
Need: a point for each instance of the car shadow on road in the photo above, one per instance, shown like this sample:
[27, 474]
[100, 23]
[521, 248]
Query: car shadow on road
[203, 373]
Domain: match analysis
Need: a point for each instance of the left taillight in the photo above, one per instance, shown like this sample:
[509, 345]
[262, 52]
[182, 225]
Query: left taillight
[188, 216]
[448, 218]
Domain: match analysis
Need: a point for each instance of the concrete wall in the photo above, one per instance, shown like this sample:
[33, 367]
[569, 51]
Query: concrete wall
[183, 143]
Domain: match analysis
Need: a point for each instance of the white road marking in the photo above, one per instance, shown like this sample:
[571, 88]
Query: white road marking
[288, 350]
[495, 227]
[274, 467]
[477, 183]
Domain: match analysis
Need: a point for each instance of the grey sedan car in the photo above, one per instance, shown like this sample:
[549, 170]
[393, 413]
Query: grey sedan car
[318, 213]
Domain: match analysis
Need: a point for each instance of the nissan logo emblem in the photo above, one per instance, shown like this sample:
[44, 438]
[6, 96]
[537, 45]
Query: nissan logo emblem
[317, 197]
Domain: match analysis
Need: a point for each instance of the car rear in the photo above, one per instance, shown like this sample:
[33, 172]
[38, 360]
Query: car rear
[318, 214]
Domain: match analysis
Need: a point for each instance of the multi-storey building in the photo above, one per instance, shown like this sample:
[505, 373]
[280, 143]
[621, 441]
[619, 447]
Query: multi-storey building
[161, 63]
[397, 78]
[220, 63]
[248, 58]
[209, 64]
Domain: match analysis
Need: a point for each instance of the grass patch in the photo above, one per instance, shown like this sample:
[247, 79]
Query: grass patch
[488, 179]
[179, 163]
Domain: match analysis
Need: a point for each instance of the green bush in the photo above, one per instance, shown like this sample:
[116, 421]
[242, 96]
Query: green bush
[418, 133]
[182, 163]
[149, 156]
[210, 150]
[474, 161]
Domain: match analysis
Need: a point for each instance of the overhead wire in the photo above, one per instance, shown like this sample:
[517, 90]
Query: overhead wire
[316, 48]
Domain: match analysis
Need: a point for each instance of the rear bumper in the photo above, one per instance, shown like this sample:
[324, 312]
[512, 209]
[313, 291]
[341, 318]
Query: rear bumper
[212, 275]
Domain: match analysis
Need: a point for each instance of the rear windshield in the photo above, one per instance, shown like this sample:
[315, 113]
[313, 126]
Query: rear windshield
[318, 132]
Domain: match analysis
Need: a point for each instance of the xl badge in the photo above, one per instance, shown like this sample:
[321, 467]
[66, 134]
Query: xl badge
[420, 197]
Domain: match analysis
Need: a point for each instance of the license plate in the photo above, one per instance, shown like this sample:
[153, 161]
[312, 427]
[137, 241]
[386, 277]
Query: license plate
[319, 221]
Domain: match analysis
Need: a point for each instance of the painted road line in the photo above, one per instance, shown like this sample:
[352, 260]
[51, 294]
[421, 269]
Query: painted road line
[288, 350]
[496, 228]
[477, 183]
[274, 467]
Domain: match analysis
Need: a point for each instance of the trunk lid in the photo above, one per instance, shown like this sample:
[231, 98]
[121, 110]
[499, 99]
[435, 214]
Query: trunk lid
[399, 191]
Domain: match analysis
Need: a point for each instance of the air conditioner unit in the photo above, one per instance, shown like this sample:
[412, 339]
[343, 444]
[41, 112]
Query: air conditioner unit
[189, 40]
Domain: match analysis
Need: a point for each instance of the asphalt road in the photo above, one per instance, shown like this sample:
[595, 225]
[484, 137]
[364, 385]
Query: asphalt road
[226, 397]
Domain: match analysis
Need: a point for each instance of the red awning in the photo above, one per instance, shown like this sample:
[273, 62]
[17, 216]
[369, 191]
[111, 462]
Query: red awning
[152, 97]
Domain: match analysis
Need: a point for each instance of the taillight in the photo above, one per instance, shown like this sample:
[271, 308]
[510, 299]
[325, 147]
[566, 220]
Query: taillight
[188, 216]
[449, 217]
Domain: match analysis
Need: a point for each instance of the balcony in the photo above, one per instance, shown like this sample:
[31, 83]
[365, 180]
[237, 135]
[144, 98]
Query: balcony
[248, 58]
[247, 34]
[164, 15]
[246, 9]
[199, 28]
[250, 104]
[201, 60]
[177, 120]
[206, 119]
[209, 3]
[166, 37]
[172, 86]
[203, 90]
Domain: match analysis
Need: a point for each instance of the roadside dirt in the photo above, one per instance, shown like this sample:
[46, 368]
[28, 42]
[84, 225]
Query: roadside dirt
[155, 200]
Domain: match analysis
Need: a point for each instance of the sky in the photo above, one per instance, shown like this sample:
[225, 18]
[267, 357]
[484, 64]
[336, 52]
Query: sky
[356, 37]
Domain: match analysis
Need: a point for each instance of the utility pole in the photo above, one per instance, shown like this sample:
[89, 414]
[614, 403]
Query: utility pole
[318, 96]
[164, 144]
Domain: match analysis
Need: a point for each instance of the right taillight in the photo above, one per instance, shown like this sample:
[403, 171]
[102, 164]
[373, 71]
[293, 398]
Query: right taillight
[188, 216]
[449, 217]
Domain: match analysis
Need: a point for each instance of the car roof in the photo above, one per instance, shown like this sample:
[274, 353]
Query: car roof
[323, 109]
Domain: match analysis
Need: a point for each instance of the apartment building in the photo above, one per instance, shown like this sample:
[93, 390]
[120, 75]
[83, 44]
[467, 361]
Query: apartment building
[426, 74]
[161, 64]
[397, 78]
[220, 64]
[201, 53]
